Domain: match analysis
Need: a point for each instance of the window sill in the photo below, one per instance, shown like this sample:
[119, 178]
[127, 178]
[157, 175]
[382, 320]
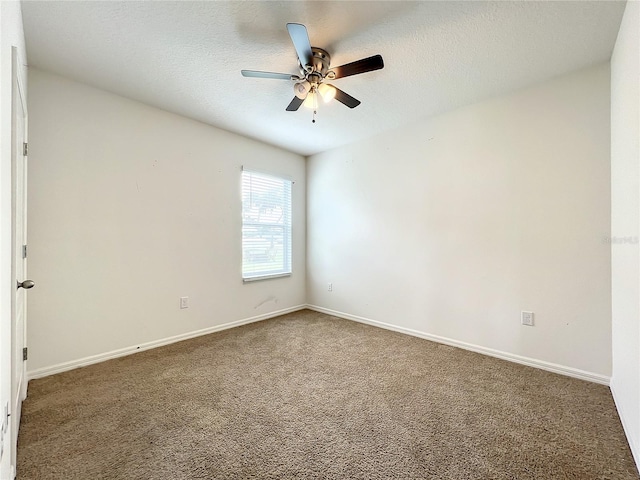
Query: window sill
[265, 277]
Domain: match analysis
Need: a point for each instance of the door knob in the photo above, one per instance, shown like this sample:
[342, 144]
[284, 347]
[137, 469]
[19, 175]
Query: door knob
[27, 284]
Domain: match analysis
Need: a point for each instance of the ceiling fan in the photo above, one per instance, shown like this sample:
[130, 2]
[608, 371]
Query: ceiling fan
[315, 67]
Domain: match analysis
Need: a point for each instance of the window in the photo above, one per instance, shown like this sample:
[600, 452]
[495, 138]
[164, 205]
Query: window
[266, 226]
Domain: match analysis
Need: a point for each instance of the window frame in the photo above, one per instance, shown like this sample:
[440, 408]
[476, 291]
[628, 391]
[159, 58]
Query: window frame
[286, 226]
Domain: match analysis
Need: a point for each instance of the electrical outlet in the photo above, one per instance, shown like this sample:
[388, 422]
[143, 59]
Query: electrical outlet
[331, 287]
[526, 318]
[184, 302]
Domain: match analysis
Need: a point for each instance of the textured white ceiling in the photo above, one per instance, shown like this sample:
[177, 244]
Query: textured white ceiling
[186, 57]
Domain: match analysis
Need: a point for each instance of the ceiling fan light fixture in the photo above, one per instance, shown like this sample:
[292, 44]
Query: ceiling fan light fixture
[301, 89]
[327, 91]
[312, 100]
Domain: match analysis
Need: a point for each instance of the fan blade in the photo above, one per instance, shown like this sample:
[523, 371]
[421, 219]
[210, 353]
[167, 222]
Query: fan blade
[359, 66]
[279, 76]
[345, 98]
[295, 104]
[300, 39]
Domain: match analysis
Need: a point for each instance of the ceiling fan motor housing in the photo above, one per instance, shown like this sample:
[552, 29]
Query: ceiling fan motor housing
[314, 74]
[320, 67]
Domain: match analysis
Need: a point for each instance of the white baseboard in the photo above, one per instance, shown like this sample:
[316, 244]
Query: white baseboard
[631, 440]
[531, 362]
[83, 362]
[551, 367]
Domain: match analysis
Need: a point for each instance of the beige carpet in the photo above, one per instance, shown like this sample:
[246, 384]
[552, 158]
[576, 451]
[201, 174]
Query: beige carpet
[308, 396]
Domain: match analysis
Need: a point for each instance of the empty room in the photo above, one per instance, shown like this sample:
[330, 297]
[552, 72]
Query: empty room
[320, 240]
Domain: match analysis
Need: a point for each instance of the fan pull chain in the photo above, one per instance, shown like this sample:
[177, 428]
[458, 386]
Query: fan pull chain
[314, 116]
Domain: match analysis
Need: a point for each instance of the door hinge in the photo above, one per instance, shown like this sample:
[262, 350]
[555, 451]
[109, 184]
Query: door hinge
[25, 149]
[24, 251]
[25, 354]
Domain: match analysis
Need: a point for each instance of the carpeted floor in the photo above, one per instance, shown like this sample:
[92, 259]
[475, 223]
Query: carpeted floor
[309, 396]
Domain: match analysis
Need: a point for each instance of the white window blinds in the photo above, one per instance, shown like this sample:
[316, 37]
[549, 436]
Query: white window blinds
[266, 226]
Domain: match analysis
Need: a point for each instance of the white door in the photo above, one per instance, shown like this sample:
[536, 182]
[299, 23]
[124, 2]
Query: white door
[19, 264]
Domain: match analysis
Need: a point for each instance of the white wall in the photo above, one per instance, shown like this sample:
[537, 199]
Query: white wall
[130, 208]
[625, 222]
[452, 226]
[11, 35]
